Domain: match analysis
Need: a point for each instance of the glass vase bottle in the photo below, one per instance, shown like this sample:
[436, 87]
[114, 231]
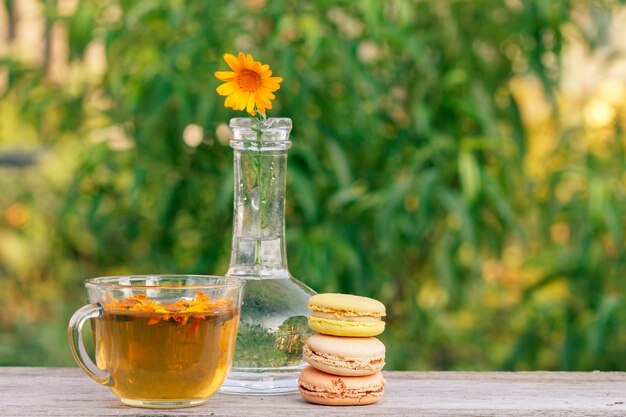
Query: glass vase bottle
[273, 322]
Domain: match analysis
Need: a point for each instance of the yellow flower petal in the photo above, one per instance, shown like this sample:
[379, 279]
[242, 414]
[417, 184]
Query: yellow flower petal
[232, 62]
[271, 84]
[227, 89]
[250, 106]
[231, 101]
[249, 61]
[276, 80]
[225, 75]
[241, 99]
[262, 101]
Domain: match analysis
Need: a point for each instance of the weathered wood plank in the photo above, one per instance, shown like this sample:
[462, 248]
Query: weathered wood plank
[68, 392]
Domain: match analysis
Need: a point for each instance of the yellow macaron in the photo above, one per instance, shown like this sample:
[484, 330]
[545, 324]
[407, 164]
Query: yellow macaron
[346, 315]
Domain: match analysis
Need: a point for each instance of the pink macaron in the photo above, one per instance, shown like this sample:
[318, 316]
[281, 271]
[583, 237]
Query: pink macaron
[321, 388]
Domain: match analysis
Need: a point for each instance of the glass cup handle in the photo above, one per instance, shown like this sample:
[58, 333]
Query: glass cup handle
[90, 311]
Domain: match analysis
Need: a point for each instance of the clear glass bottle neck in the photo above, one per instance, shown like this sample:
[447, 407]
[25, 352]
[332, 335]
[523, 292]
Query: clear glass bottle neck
[260, 173]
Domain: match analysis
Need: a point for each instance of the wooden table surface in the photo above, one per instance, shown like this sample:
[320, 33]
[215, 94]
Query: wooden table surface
[65, 392]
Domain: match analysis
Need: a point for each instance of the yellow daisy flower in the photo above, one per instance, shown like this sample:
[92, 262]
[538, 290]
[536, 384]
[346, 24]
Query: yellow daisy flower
[249, 85]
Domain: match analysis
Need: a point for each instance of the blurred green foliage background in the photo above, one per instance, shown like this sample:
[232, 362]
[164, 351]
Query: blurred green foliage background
[461, 161]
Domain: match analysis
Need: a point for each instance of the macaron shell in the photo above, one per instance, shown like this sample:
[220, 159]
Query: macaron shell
[349, 356]
[316, 398]
[347, 305]
[347, 347]
[346, 328]
[321, 388]
[340, 370]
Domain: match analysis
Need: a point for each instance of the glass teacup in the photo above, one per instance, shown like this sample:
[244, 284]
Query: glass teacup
[161, 341]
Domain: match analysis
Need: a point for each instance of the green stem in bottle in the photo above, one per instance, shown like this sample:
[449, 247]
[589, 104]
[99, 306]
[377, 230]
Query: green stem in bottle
[257, 162]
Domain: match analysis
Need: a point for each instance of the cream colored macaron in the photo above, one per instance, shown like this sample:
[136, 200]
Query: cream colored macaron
[348, 356]
[346, 315]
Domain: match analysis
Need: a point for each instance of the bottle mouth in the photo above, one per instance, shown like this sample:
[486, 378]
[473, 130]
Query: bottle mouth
[252, 134]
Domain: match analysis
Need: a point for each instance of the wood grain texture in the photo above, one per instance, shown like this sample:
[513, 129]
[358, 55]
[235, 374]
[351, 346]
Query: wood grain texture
[64, 392]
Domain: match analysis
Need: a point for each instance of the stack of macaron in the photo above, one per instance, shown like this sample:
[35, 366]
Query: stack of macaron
[345, 359]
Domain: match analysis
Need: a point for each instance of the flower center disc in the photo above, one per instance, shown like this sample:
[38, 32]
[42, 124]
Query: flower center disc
[249, 80]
